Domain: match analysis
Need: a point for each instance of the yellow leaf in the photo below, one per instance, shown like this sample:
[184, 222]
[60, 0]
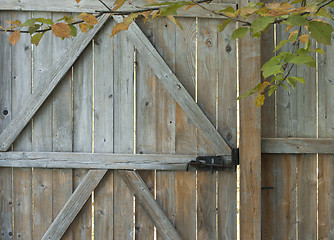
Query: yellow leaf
[277, 12]
[83, 27]
[298, 10]
[273, 5]
[146, 14]
[288, 28]
[175, 21]
[77, 1]
[247, 11]
[286, 6]
[61, 30]
[90, 19]
[262, 87]
[312, 8]
[16, 22]
[259, 100]
[8, 28]
[36, 38]
[188, 7]
[293, 34]
[155, 14]
[119, 27]
[304, 38]
[14, 37]
[118, 4]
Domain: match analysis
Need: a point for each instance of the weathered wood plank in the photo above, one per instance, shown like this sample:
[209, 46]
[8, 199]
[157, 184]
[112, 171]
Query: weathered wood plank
[83, 133]
[227, 127]
[62, 133]
[185, 132]
[103, 129]
[144, 196]
[326, 162]
[6, 201]
[174, 87]
[207, 71]
[123, 132]
[250, 136]
[145, 131]
[74, 204]
[91, 6]
[22, 178]
[50, 79]
[95, 160]
[42, 137]
[297, 145]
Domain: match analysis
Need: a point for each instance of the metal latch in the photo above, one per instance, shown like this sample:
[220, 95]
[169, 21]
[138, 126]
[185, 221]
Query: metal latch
[216, 163]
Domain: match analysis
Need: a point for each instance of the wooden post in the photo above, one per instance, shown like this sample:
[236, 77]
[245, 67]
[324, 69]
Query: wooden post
[250, 139]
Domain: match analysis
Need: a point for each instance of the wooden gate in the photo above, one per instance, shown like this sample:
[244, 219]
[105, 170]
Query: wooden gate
[149, 99]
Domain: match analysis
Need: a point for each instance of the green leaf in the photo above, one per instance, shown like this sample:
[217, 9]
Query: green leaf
[249, 92]
[272, 89]
[222, 26]
[321, 32]
[261, 23]
[34, 28]
[256, 35]
[73, 32]
[171, 9]
[286, 87]
[29, 23]
[299, 79]
[296, 20]
[44, 20]
[301, 59]
[291, 81]
[281, 44]
[272, 67]
[239, 33]
[318, 50]
[228, 9]
[36, 38]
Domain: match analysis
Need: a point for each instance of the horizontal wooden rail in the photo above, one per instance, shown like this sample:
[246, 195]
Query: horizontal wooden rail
[297, 145]
[90, 6]
[96, 160]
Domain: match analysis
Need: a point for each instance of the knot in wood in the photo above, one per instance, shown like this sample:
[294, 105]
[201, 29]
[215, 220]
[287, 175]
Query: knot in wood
[208, 42]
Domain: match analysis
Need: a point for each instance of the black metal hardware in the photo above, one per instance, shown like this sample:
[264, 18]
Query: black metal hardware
[215, 163]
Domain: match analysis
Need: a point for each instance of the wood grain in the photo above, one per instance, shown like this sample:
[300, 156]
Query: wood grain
[6, 201]
[103, 128]
[74, 204]
[22, 178]
[50, 79]
[250, 128]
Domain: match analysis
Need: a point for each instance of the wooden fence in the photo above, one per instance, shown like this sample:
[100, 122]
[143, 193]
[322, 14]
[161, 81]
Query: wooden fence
[151, 99]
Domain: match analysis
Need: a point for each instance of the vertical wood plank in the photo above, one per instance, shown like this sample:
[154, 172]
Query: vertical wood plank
[250, 137]
[103, 128]
[123, 132]
[164, 41]
[268, 163]
[21, 88]
[285, 203]
[82, 134]
[227, 127]
[62, 133]
[6, 226]
[326, 163]
[185, 132]
[42, 138]
[206, 93]
[145, 131]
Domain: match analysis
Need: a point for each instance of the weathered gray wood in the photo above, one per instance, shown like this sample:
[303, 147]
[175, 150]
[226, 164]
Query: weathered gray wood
[50, 79]
[185, 132]
[22, 178]
[326, 162]
[83, 133]
[144, 196]
[207, 72]
[103, 129]
[123, 132]
[227, 127]
[6, 201]
[95, 160]
[297, 145]
[175, 88]
[92, 6]
[74, 204]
